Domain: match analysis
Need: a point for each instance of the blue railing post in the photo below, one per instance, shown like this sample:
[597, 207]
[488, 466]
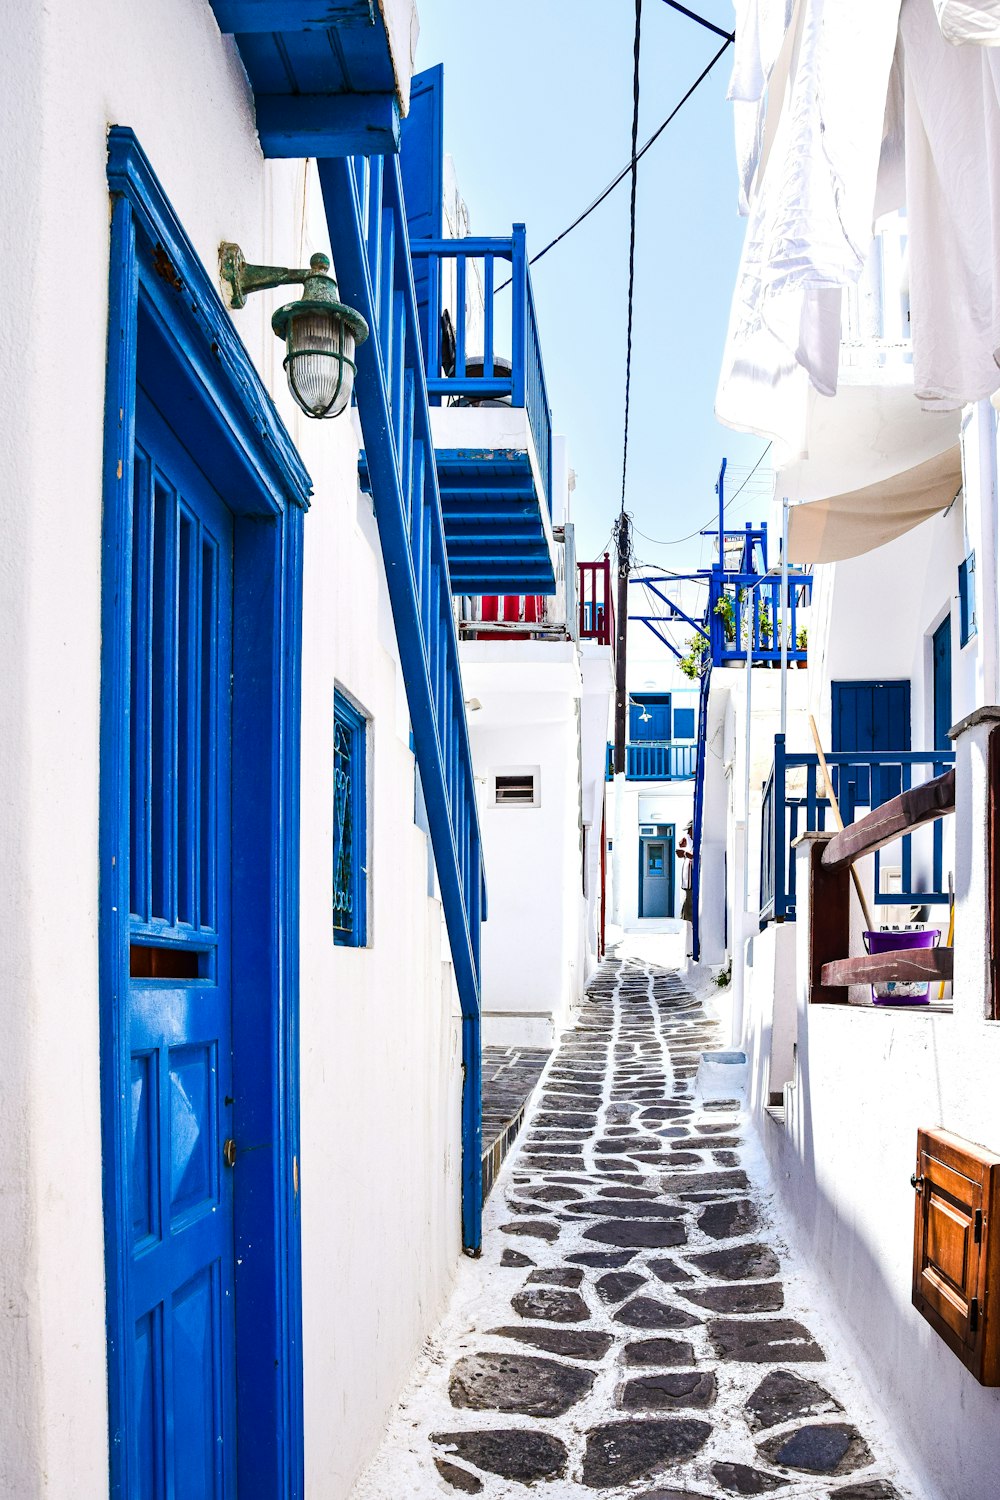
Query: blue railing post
[519, 313]
[779, 850]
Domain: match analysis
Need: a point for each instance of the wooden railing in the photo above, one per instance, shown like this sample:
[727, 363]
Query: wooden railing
[795, 802]
[831, 859]
[596, 604]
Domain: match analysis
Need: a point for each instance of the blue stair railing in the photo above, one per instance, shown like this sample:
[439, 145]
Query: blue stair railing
[465, 376]
[363, 198]
[795, 802]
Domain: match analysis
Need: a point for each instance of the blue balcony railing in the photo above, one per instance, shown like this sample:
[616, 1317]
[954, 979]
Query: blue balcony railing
[653, 762]
[794, 804]
[745, 604]
[458, 376]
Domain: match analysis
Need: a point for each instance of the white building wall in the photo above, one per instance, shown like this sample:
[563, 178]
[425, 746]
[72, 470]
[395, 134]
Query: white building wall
[380, 1066]
[529, 720]
[865, 1081]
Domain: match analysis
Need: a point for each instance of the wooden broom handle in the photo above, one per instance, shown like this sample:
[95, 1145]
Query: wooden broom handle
[839, 821]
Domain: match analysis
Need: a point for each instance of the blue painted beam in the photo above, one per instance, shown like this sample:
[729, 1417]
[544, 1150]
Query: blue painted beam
[326, 125]
[236, 16]
[368, 235]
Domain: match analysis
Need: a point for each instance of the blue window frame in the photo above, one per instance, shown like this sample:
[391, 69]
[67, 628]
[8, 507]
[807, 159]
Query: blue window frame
[683, 723]
[350, 824]
[649, 717]
[172, 346]
[967, 599]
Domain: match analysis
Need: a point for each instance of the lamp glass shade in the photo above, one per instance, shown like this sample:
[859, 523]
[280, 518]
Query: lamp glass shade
[319, 362]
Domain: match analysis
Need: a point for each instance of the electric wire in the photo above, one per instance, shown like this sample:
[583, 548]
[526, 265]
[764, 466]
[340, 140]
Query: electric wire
[631, 241]
[693, 15]
[657, 542]
[637, 157]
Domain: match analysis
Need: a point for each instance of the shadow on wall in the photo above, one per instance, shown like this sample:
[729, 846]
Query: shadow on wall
[860, 1243]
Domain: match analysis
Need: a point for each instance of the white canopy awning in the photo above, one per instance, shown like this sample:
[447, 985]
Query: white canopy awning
[841, 526]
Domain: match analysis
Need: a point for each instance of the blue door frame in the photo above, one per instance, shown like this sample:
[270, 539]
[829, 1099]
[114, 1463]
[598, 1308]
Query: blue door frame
[666, 834]
[941, 648]
[169, 329]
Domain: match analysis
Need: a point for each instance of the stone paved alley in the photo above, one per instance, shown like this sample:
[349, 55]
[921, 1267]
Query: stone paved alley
[628, 1330]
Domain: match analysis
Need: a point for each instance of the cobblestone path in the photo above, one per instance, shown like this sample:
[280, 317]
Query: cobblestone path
[626, 1332]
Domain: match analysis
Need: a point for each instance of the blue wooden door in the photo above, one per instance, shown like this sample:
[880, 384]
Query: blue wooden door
[869, 717]
[649, 718]
[179, 1189]
[942, 684]
[421, 161]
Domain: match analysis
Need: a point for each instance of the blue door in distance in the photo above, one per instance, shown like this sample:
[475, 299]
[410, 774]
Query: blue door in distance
[179, 1186]
[942, 684]
[869, 717]
[656, 872]
[649, 717]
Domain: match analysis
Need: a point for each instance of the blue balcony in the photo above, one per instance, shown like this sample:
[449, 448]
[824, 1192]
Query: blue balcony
[489, 412]
[646, 761]
[794, 803]
[742, 610]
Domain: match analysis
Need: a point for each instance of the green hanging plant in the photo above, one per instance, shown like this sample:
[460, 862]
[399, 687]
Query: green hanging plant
[693, 664]
[726, 611]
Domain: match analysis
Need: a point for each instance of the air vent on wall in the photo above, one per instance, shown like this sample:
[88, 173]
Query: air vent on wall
[515, 789]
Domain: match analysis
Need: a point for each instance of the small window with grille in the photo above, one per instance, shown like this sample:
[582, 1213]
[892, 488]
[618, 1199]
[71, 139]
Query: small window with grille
[517, 786]
[350, 820]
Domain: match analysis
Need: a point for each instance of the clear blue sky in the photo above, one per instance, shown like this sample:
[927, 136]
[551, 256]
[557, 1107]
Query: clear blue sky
[538, 116]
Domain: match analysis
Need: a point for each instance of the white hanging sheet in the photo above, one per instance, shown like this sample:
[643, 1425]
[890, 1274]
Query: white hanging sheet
[810, 220]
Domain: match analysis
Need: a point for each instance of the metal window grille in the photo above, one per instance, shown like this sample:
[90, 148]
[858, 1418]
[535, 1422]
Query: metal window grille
[517, 789]
[349, 808]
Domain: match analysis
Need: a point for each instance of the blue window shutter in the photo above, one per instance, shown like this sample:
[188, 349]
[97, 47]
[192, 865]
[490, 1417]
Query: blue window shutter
[683, 723]
[350, 820]
[967, 599]
[421, 162]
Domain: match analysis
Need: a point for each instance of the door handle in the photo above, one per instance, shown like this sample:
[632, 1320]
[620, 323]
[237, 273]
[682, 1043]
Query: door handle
[916, 1183]
[229, 1152]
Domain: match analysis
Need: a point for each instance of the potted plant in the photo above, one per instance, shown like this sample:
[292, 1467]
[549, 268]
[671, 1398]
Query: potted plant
[802, 642]
[693, 665]
[726, 612]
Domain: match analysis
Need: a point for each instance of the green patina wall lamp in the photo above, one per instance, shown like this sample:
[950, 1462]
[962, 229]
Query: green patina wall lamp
[320, 332]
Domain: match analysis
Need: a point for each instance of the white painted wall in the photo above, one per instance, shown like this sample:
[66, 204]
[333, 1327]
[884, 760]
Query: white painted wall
[530, 692]
[380, 1065]
[865, 1081]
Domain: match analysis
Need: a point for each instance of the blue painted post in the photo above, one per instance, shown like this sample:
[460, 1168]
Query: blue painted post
[488, 265]
[519, 314]
[778, 831]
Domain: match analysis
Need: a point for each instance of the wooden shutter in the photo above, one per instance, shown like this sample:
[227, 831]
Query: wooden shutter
[956, 1258]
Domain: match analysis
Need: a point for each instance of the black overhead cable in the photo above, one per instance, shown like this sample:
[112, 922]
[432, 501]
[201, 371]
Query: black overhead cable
[637, 157]
[678, 539]
[631, 237]
[693, 15]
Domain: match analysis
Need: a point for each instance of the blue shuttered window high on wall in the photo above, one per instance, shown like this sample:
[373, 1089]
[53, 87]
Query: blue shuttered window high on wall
[967, 599]
[350, 874]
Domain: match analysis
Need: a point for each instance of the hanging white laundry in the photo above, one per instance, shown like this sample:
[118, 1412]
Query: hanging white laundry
[760, 71]
[810, 224]
[951, 113]
[975, 21]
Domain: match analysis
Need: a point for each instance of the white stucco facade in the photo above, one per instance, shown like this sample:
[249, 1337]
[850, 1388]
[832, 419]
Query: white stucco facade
[380, 1054]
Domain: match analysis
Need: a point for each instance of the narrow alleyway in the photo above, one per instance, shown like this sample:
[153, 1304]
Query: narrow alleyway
[628, 1330]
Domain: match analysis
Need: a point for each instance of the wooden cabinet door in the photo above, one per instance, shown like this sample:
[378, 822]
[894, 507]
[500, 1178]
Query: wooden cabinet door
[955, 1262]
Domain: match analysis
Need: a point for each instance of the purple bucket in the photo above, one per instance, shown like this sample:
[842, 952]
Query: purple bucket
[901, 991]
